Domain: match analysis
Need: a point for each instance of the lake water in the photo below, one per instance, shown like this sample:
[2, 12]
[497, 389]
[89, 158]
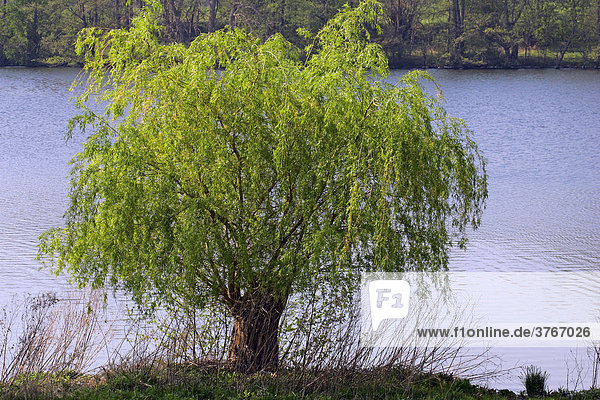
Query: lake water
[538, 129]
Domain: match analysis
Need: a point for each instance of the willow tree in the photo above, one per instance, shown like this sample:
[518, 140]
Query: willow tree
[238, 170]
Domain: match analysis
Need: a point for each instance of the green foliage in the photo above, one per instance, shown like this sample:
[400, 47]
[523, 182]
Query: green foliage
[232, 166]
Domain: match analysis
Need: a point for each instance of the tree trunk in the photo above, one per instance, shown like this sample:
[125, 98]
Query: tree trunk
[212, 15]
[33, 36]
[561, 56]
[128, 14]
[176, 24]
[565, 48]
[83, 12]
[117, 14]
[514, 55]
[232, 14]
[458, 18]
[95, 17]
[254, 341]
[281, 15]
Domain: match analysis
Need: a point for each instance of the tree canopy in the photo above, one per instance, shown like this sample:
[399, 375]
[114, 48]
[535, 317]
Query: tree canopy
[238, 170]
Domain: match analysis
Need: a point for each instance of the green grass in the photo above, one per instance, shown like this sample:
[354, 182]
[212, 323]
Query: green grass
[187, 382]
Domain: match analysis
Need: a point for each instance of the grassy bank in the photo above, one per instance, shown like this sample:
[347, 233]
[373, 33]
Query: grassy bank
[180, 382]
[531, 59]
[43, 358]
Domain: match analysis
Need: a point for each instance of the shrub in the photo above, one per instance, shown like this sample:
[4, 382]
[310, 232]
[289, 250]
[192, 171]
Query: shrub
[535, 381]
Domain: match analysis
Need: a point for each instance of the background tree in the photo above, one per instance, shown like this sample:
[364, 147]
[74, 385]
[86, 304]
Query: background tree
[245, 184]
[572, 28]
[22, 34]
[441, 32]
[498, 22]
[400, 33]
[431, 31]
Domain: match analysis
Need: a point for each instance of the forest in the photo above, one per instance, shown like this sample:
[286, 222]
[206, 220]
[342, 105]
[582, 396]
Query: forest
[416, 33]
